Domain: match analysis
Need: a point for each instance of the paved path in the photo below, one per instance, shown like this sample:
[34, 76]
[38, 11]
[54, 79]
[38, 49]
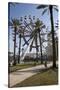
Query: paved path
[23, 74]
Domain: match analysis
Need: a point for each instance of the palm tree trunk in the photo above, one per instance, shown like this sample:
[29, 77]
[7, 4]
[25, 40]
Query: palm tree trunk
[36, 47]
[53, 40]
[14, 47]
[40, 47]
[19, 48]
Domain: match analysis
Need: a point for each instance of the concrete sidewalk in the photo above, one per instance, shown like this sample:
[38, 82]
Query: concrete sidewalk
[20, 75]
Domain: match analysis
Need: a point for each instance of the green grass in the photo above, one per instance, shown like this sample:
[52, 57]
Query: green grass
[47, 77]
[17, 67]
[22, 66]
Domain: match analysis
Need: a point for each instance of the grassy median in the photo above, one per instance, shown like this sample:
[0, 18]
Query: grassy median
[47, 77]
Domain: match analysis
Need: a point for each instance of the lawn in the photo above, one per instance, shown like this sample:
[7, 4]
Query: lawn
[47, 77]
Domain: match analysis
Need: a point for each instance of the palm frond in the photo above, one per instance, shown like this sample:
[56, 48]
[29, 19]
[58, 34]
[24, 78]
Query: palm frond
[15, 22]
[55, 6]
[42, 6]
[56, 9]
[45, 10]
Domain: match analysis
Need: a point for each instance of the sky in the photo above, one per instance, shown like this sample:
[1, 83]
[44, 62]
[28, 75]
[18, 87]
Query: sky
[20, 10]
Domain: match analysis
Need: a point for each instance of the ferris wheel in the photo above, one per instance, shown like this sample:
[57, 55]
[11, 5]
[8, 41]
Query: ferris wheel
[30, 29]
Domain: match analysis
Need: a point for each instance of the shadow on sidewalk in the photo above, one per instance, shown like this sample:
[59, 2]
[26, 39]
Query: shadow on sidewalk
[34, 71]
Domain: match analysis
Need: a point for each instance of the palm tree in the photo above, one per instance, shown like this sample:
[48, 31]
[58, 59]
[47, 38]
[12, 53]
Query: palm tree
[15, 23]
[19, 48]
[39, 25]
[36, 44]
[50, 7]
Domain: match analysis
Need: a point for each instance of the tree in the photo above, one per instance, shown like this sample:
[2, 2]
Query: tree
[39, 25]
[19, 48]
[15, 23]
[50, 7]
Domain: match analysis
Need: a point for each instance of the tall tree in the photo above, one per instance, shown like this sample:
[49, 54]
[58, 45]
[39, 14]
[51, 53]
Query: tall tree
[36, 44]
[19, 48]
[50, 7]
[39, 25]
[15, 23]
